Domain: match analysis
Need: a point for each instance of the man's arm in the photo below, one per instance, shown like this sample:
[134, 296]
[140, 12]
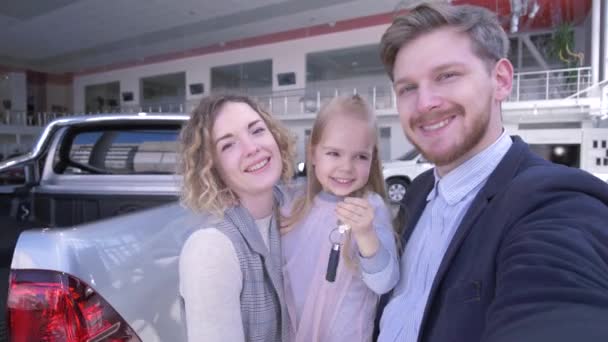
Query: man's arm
[210, 284]
[552, 272]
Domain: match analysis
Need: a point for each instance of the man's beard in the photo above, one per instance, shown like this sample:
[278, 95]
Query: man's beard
[471, 139]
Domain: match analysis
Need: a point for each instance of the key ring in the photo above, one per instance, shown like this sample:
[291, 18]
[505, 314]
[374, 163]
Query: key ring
[336, 237]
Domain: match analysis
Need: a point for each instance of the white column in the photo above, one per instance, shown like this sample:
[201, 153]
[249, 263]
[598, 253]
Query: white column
[595, 40]
[604, 29]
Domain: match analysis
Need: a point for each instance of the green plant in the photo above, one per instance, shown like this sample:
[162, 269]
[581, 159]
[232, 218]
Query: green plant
[561, 45]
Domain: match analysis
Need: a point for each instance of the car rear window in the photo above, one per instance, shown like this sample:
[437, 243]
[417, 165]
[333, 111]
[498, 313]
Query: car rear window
[119, 151]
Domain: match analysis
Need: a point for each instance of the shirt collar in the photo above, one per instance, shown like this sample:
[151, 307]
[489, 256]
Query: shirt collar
[459, 182]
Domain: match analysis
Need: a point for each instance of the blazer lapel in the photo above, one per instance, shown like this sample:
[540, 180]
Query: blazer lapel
[500, 177]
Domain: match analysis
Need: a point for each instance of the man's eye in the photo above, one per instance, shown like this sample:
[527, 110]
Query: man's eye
[446, 75]
[406, 89]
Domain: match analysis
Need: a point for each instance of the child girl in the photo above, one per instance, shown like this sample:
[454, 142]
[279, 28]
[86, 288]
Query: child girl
[345, 186]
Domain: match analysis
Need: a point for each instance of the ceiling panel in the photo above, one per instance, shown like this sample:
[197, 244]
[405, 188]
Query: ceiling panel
[25, 9]
[82, 34]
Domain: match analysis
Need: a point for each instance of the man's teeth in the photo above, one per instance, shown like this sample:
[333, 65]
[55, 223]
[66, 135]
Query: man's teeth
[257, 166]
[436, 126]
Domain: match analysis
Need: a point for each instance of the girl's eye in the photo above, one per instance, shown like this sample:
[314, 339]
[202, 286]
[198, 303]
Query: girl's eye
[363, 157]
[332, 153]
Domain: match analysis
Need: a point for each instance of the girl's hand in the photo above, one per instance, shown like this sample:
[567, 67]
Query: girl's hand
[358, 214]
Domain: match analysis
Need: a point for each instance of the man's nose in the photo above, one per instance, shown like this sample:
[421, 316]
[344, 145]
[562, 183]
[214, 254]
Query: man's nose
[427, 100]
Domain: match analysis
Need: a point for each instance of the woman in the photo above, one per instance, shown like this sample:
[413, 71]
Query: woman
[233, 154]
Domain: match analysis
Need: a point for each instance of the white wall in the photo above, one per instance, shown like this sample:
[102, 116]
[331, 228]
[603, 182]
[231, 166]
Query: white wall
[288, 56]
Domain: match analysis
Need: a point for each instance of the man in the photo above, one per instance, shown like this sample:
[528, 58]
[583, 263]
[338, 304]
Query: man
[500, 244]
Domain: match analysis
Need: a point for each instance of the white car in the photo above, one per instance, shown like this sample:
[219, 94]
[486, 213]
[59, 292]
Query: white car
[399, 173]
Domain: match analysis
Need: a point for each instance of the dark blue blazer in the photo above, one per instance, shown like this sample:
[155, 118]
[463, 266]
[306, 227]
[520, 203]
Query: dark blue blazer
[529, 262]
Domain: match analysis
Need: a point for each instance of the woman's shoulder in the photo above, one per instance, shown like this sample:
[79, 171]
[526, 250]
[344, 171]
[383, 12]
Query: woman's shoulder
[206, 237]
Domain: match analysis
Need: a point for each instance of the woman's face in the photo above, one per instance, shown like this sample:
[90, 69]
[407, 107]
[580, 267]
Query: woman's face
[247, 156]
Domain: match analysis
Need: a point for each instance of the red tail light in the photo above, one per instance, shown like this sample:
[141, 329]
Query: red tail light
[52, 306]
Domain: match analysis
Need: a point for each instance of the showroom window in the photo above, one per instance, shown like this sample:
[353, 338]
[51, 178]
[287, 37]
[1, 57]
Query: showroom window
[163, 93]
[250, 78]
[344, 64]
[102, 98]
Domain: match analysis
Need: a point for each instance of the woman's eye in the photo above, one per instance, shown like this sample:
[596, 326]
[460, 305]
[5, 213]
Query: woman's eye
[259, 130]
[226, 146]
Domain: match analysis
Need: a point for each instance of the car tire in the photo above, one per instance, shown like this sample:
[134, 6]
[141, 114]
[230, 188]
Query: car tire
[396, 189]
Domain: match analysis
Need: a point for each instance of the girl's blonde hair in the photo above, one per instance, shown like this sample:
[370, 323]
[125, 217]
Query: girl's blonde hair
[203, 188]
[353, 107]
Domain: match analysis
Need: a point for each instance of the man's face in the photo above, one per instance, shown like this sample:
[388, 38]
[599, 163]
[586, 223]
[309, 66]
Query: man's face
[448, 98]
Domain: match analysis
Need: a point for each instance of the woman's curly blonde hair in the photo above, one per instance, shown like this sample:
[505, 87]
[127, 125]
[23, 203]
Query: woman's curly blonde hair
[203, 189]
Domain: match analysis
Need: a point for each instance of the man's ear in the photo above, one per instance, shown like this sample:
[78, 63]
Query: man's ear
[503, 78]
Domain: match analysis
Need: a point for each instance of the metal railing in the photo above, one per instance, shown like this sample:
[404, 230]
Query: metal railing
[550, 84]
[22, 118]
[527, 86]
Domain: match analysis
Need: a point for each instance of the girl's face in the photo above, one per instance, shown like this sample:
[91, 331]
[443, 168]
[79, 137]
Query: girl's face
[342, 159]
[246, 154]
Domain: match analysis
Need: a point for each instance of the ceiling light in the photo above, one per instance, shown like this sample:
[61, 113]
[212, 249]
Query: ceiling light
[559, 151]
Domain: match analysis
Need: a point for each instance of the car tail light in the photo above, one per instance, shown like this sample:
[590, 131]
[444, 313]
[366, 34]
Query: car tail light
[53, 306]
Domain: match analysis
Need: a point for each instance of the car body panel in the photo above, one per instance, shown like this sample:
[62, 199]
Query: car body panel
[131, 261]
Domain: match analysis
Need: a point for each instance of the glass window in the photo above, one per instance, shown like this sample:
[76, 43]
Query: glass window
[102, 98]
[163, 93]
[565, 154]
[128, 151]
[250, 78]
[344, 64]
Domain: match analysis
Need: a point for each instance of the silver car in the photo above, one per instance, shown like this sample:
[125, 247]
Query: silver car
[112, 280]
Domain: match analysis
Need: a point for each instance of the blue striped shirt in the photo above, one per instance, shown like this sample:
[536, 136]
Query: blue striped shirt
[447, 204]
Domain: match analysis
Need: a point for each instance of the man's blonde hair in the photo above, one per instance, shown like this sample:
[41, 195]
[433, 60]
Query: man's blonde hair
[489, 40]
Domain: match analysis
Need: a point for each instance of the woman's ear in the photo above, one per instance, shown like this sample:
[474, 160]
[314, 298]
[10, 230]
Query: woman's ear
[503, 78]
